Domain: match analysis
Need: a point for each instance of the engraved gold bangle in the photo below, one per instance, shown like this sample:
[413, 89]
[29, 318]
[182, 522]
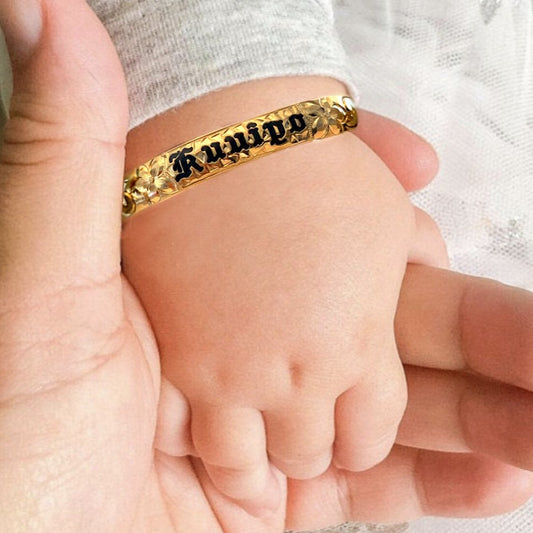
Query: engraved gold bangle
[206, 156]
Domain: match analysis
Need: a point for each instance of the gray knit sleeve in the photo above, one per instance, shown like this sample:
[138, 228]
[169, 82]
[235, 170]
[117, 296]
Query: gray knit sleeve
[176, 50]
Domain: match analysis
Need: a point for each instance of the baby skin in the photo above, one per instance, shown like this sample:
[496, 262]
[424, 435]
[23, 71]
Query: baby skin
[272, 289]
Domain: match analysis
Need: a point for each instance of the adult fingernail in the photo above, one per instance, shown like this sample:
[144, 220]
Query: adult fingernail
[22, 23]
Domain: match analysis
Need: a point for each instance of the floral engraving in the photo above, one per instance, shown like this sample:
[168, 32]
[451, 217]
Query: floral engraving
[206, 156]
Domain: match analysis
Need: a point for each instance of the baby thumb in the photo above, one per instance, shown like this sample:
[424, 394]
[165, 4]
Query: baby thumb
[63, 154]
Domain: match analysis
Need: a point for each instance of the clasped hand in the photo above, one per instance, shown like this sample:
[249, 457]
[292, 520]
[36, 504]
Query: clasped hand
[83, 415]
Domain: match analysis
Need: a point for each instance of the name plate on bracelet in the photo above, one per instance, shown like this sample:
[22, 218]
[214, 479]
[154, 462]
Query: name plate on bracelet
[206, 156]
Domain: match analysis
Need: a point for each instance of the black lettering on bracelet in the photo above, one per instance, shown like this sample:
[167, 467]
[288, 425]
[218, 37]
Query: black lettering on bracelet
[277, 132]
[237, 148]
[297, 123]
[217, 155]
[183, 163]
[253, 130]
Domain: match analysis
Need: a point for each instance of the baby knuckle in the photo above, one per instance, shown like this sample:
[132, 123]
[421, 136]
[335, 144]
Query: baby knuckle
[313, 378]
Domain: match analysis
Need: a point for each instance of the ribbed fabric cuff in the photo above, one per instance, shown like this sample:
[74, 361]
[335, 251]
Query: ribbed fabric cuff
[177, 50]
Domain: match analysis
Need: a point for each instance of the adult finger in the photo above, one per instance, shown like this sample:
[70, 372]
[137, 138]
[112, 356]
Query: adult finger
[62, 157]
[409, 484]
[451, 411]
[61, 166]
[411, 159]
[452, 321]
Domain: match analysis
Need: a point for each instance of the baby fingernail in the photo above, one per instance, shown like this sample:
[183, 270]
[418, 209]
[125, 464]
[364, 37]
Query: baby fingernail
[22, 23]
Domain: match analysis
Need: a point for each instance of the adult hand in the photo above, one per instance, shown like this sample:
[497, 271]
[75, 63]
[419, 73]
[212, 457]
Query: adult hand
[80, 388]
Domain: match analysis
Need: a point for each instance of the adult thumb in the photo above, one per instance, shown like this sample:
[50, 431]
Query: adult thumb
[63, 154]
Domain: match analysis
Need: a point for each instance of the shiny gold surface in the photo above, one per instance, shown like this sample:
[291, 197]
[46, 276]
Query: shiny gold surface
[208, 155]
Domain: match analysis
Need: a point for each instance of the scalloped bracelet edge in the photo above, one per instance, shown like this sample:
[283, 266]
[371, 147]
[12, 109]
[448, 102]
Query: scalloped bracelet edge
[206, 156]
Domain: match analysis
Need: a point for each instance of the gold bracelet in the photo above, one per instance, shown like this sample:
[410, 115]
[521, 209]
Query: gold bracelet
[204, 157]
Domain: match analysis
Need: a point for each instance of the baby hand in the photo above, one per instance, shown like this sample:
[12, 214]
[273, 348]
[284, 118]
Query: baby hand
[272, 291]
